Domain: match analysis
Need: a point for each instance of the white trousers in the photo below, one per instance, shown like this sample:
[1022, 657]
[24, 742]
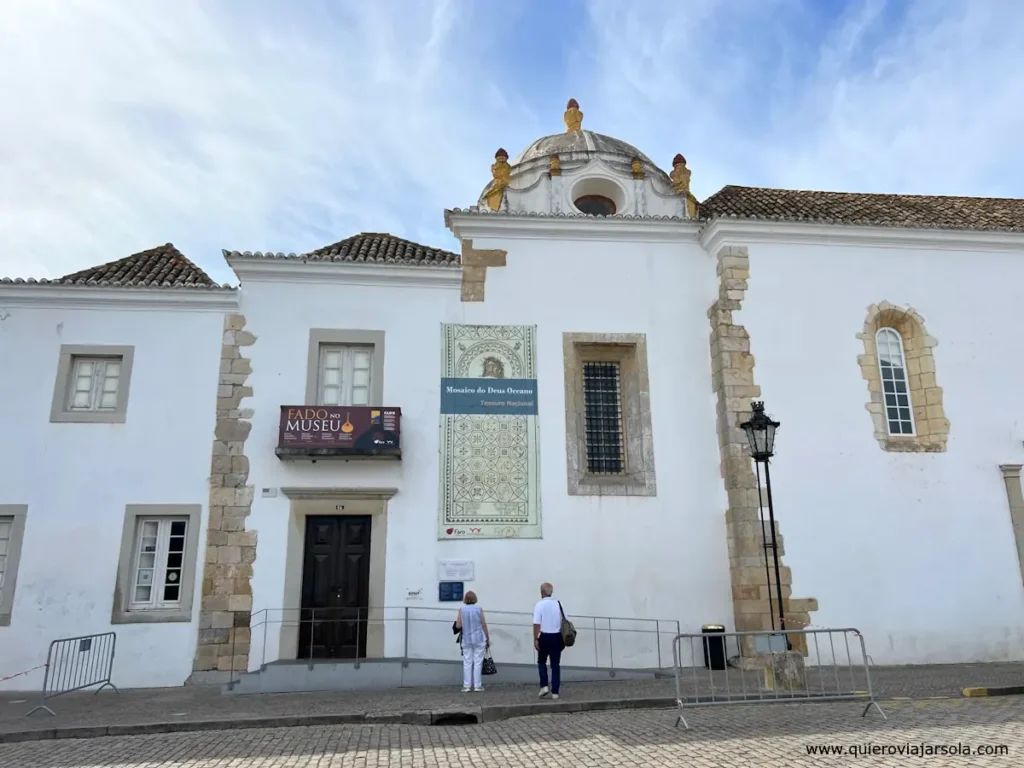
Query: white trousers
[472, 661]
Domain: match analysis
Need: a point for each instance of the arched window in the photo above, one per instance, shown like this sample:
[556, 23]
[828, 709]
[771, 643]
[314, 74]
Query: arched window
[904, 397]
[899, 414]
[595, 205]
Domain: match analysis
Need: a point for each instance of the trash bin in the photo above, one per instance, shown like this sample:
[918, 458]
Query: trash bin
[714, 647]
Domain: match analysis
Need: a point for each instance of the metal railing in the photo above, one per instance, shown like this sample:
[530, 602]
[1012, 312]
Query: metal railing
[409, 633]
[76, 663]
[826, 665]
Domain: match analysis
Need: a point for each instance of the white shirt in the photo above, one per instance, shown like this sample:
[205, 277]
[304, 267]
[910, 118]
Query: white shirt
[548, 615]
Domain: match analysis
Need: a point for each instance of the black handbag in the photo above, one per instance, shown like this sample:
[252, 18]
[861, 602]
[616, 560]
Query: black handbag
[457, 632]
[488, 667]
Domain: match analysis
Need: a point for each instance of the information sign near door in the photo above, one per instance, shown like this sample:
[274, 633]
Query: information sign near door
[450, 591]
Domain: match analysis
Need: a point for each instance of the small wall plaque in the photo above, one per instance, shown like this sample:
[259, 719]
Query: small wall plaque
[450, 591]
[456, 570]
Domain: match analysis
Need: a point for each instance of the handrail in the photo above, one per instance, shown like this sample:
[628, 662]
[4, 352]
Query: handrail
[455, 607]
[436, 643]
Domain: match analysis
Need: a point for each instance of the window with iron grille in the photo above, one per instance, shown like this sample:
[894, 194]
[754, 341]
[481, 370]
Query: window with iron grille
[602, 403]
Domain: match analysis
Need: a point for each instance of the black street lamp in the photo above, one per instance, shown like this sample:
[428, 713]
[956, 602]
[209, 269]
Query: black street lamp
[760, 431]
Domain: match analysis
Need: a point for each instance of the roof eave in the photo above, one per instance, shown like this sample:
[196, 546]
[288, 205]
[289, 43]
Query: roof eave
[298, 269]
[726, 230]
[34, 294]
[470, 224]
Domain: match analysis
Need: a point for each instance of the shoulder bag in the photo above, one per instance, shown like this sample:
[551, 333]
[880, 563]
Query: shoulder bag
[567, 629]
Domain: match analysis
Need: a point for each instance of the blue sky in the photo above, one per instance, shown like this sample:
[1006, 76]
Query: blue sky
[256, 125]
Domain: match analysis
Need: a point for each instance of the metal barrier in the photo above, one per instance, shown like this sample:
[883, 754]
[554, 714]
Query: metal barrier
[757, 673]
[75, 663]
[410, 633]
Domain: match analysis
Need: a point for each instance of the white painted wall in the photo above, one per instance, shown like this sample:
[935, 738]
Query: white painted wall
[915, 550]
[77, 478]
[654, 557]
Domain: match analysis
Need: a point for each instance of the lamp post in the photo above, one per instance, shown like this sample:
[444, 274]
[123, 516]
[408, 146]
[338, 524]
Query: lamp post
[760, 429]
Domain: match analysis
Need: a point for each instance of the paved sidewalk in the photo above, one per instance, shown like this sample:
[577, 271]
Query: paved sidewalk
[985, 733]
[203, 708]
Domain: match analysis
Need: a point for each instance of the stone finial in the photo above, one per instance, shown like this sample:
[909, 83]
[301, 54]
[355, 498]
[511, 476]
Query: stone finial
[680, 178]
[555, 165]
[501, 176]
[573, 117]
[680, 175]
[638, 168]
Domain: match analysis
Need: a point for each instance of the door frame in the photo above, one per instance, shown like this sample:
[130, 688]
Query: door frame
[335, 617]
[325, 501]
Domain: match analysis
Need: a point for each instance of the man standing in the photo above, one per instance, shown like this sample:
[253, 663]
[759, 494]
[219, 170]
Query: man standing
[547, 639]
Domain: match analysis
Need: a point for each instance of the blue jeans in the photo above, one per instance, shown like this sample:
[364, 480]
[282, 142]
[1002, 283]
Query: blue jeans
[550, 648]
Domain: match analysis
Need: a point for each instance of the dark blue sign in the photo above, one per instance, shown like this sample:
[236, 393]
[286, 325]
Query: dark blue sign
[450, 591]
[489, 397]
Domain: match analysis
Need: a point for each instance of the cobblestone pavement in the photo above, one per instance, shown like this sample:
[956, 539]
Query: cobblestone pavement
[740, 737]
[204, 703]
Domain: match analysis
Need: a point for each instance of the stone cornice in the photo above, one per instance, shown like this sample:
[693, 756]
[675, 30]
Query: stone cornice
[300, 271]
[350, 494]
[725, 231]
[470, 225]
[51, 296]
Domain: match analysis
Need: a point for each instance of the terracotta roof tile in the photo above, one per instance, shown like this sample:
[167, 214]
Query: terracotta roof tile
[915, 211]
[161, 267]
[368, 248]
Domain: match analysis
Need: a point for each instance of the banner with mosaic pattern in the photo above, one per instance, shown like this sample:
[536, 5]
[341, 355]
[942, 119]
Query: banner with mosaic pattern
[490, 466]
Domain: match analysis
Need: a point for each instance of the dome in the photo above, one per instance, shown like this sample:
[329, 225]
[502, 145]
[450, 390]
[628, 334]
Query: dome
[580, 172]
[579, 141]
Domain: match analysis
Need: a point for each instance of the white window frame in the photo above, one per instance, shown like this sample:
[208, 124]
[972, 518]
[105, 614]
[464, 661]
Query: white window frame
[71, 357]
[347, 372]
[6, 544]
[98, 380]
[889, 335]
[126, 609]
[162, 551]
[13, 517]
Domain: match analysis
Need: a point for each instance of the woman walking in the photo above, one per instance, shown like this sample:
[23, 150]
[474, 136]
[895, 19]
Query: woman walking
[475, 641]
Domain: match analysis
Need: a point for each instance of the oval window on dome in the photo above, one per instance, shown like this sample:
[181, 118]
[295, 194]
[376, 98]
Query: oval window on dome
[595, 205]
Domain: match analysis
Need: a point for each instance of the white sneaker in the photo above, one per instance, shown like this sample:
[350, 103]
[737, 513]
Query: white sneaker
[479, 688]
[543, 691]
[554, 695]
[465, 689]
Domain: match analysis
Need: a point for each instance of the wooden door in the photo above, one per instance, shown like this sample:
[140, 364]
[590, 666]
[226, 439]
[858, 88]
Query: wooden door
[335, 587]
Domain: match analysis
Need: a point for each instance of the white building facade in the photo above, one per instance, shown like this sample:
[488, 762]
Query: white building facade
[307, 464]
[106, 405]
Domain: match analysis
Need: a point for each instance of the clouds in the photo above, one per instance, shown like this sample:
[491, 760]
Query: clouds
[246, 125]
[919, 96]
[243, 128]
